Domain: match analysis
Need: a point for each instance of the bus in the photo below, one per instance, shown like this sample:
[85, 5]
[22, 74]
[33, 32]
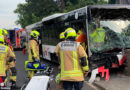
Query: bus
[114, 19]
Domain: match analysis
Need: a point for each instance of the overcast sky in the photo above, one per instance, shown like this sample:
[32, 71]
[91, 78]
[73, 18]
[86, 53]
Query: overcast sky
[7, 16]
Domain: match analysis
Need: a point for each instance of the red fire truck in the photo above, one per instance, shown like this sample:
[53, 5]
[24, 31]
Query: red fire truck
[17, 37]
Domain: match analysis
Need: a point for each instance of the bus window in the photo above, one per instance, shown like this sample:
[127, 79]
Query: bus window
[51, 33]
[113, 34]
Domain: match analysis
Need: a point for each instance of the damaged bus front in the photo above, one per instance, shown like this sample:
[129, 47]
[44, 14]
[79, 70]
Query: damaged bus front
[109, 36]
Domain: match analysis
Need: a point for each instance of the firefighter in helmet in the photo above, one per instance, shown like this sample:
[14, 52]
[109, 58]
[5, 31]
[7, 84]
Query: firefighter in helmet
[97, 37]
[33, 50]
[7, 61]
[73, 61]
[12, 64]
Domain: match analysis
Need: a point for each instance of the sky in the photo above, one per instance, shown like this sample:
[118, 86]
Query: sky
[7, 15]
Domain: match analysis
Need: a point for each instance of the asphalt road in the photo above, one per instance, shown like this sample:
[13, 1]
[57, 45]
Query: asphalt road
[22, 74]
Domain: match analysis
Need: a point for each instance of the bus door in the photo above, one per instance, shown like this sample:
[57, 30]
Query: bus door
[80, 27]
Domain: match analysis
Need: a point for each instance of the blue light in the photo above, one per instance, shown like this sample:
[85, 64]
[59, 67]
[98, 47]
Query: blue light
[16, 28]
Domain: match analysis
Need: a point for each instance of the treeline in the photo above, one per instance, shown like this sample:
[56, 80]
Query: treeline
[34, 10]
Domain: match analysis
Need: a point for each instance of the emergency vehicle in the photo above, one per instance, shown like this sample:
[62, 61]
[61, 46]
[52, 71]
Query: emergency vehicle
[17, 37]
[113, 18]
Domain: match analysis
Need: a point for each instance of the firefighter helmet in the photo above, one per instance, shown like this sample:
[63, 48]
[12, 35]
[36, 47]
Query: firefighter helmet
[70, 32]
[2, 38]
[34, 33]
[62, 36]
[3, 32]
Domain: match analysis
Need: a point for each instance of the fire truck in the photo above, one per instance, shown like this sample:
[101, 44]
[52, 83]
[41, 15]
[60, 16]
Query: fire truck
[17, 37]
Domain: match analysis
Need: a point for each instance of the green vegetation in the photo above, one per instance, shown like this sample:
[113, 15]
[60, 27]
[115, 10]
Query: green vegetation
[34, 10]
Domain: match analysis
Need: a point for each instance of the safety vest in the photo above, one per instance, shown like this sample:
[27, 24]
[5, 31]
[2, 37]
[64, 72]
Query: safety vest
[3, 67]
[70, 53]
[33, 50]
[98, 36]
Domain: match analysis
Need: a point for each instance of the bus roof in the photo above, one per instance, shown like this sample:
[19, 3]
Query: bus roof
[52, 16]
[111, 6]
[110, 11]
[37, 24]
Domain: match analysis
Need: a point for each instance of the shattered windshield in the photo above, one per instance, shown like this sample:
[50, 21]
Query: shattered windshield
[109, 34]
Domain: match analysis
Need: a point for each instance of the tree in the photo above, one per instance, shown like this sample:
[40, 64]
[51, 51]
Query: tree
[34, 10]
[75, 4]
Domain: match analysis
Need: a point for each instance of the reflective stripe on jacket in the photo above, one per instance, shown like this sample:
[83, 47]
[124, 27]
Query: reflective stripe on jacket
[70, 53]
[5, 54]
[33, 50]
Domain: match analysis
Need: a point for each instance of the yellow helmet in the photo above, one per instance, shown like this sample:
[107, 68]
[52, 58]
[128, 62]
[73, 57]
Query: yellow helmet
[70, 32]
[2, 38]
[62, 36]
[3, 32]
[34, 33]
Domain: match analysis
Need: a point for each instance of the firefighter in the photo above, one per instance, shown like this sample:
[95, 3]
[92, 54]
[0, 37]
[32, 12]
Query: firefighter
[6, 61]
[33, 50]
[7, 41]
[97, 38]
[73, 61]
[12, 64]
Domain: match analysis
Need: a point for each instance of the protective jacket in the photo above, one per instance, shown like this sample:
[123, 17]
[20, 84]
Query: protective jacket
[98, 35]
[33, 50]
[70, 53]
[5, 55]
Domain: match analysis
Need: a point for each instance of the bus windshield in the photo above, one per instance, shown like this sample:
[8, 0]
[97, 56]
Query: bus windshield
[107, 35]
